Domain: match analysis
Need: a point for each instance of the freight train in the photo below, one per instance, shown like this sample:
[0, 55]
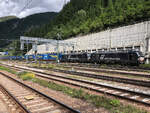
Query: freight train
[43, 57]
[109, 57]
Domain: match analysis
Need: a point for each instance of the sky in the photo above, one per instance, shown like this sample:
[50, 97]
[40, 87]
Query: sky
[20, 8]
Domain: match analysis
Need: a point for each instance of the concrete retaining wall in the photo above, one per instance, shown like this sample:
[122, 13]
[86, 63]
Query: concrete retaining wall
[124, 37]
[135, 36]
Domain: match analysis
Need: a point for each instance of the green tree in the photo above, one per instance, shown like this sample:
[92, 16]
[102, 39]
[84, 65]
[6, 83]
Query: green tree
[86, 16]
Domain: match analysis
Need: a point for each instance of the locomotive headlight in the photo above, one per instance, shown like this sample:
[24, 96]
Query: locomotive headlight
[141, 59]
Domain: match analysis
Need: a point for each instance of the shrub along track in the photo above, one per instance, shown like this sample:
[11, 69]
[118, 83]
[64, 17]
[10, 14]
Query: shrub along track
[31, 100]
[92, 86]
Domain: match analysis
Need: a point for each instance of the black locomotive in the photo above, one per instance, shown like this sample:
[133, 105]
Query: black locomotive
[76, 57]
[108, 57]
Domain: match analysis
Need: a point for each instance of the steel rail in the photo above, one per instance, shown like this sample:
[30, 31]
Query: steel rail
[96, 84]
[44, 95]
[110, 71]
[75, 79]
[126, 68]
[15, 99]
[104, 77]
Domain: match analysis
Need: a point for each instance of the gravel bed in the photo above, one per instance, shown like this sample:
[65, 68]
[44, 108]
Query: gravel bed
[124, 102]
[3, 107]
[142, 89]
[107, 83]
[78, 104]
[116, 75]
[124, 71]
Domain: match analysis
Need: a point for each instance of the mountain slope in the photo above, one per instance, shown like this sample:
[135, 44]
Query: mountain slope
[2, 19]
[86, 16]
[14, 28]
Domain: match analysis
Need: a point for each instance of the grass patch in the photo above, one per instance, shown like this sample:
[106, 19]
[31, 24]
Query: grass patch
[81, 78]
[103, 65]
[7, 69]
[48, 66]
[144, 65]
[26, 75]
[113, 105]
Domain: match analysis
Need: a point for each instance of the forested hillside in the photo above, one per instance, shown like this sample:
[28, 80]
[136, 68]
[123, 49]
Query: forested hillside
[13, 28]
[2, 19]
[80, 17]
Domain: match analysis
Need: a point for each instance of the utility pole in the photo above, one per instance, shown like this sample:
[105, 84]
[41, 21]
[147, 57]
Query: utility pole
[110, 39]
[27, 52]
[34, 47]
[58, 38]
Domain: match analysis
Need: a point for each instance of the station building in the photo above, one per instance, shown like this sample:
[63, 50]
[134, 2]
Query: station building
[135, 37]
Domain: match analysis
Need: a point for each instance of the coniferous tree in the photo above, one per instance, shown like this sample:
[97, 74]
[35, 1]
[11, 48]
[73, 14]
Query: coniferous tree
[86, 16]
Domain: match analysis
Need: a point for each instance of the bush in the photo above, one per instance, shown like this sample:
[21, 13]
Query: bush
[115, 102]
[7, 69]
[26, 75]
[21, 73]
[145, 65]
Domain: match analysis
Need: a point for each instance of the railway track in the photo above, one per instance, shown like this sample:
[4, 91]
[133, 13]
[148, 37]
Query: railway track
[13, 105]
[121, 71]
[134, 96]
[102, 77]
[31, 100]
[146, 75]
[144, 83]
[113, 67]
[107, 77]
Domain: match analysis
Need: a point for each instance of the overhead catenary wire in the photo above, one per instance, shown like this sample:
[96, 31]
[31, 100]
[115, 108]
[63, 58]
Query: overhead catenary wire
[27, 5]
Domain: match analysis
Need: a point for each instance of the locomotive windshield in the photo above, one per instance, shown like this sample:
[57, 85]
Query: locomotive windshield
[140, 54]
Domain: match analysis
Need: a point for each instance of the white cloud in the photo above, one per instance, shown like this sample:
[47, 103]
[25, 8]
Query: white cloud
[14, 7]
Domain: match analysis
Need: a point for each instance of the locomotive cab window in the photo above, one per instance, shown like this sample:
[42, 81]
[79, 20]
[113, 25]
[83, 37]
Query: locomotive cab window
[139, 54]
